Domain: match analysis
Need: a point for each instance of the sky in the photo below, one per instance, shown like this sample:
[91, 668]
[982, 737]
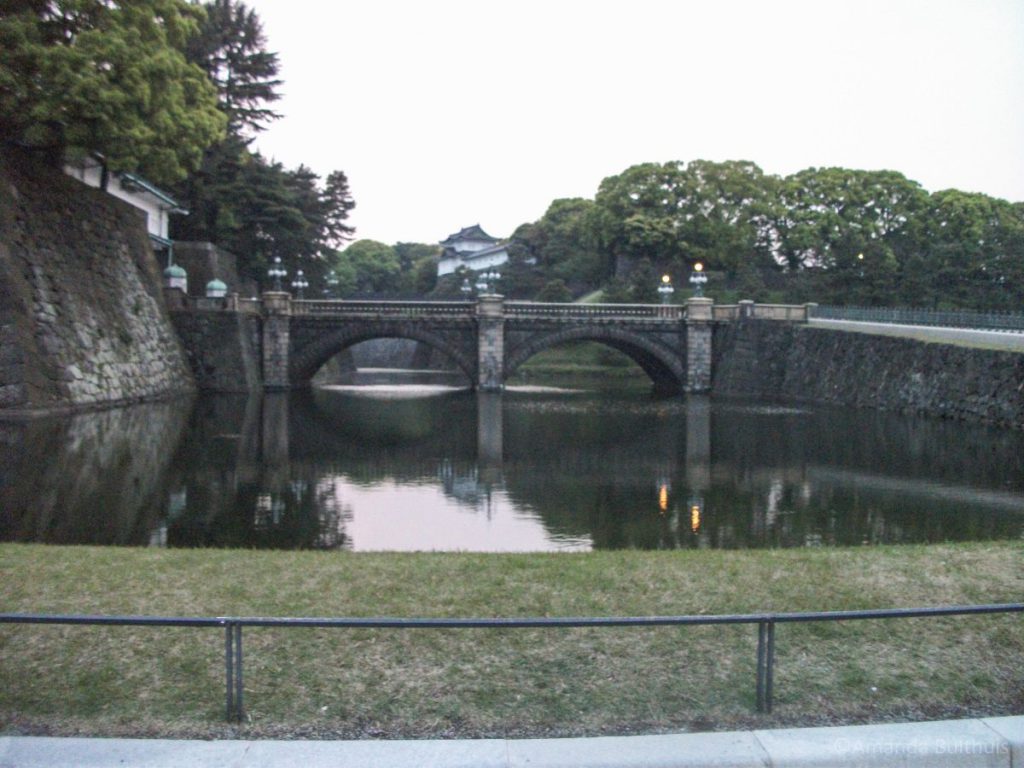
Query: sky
[449, 113]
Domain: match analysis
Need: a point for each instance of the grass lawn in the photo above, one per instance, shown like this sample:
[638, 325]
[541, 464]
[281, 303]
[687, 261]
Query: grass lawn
[439, 683]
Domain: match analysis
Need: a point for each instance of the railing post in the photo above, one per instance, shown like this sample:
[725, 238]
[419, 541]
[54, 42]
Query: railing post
[765, 665]
[239, 688]
[229, 668]
[234, 707]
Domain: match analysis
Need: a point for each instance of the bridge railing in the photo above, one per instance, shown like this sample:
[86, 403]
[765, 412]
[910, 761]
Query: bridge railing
[749, 310]
[539, 310]
[250, 306]
[384, 308]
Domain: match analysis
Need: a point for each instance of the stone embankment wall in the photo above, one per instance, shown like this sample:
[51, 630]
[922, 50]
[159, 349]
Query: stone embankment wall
[82, 320]
[797, 363]
[223, 349]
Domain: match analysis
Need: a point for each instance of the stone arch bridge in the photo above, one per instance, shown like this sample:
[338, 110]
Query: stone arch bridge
[490, 338]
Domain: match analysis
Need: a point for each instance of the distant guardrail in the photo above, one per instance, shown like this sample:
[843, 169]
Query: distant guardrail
[766, 622]
[959, 318]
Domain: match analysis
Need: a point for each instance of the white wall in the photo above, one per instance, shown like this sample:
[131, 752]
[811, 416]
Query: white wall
[155, 209]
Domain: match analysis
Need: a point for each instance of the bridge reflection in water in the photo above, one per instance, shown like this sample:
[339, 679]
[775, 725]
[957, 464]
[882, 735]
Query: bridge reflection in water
[513, 471]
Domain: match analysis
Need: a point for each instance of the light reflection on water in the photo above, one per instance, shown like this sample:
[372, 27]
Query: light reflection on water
[432, 467]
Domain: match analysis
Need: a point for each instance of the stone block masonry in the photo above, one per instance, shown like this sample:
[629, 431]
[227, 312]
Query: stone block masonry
[82, 320]
[798, 363]
[223, 349]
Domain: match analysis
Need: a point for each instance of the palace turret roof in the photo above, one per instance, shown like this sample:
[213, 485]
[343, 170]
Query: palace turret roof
[469, 233]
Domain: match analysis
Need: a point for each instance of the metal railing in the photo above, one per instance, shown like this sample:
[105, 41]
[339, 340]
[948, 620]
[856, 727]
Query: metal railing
[765, 666]
[959, 318]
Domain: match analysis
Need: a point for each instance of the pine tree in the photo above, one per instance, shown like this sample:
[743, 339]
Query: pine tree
[231, 49]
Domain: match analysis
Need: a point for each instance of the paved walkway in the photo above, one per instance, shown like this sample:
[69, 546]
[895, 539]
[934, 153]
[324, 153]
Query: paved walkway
[1011, 341]
[997, 741]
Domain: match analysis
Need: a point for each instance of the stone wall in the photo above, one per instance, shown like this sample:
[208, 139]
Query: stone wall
[205, 261]
[223, 349]
[82, 320]
[798, 363]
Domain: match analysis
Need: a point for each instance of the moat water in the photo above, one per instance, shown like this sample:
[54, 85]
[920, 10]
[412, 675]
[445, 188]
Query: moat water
[387, 467]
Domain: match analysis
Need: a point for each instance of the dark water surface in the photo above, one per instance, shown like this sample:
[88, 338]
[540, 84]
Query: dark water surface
[427, 468]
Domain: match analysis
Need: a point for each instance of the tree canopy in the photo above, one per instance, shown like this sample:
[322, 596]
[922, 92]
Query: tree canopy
[231, 48]
[110, 77]
[248, 204]
[832, 235]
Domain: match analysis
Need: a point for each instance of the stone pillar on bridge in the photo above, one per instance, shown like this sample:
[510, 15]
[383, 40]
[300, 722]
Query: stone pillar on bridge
[276, 339]
[698, 344]
[490, 321]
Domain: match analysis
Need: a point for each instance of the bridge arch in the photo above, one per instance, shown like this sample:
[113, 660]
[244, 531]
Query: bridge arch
[663, 366]
[307, 358]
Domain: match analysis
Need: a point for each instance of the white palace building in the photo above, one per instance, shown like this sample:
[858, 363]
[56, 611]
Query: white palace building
[473, 249]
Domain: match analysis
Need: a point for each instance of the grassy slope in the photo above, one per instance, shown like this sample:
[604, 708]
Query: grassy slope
[502, 682]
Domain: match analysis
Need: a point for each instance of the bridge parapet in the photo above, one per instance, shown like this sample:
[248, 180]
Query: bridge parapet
[529, 310]
[391, 309]
[797, 313]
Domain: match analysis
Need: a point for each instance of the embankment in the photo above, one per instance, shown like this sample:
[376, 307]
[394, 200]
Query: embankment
[82, 320]
[798, 363]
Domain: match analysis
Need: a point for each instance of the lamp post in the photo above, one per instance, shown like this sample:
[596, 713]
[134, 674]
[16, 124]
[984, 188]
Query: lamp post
[487, 281]
[300, 284]
[332, 284]
[665, 290]
[466, 288]
[697, 279]
[277, 272]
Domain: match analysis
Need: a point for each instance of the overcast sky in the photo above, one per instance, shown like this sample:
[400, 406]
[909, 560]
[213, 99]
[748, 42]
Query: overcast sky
[447, 113]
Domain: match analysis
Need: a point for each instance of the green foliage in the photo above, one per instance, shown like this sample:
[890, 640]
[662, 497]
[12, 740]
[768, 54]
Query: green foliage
[367, 268]
[831, 235]
[231, 49]
[677, 214]
[253, 207]
[643, 284]
[561, 244]
[258, 210]
[555, 291]
[418, 263]
[108, 77]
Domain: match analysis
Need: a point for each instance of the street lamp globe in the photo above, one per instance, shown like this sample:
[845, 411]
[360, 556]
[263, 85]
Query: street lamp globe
[665, 290]
[300, 284]
[697, 279]
[277, 272]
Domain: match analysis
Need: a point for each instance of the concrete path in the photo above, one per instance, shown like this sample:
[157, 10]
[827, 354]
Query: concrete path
[997, 741]
[1010, 341]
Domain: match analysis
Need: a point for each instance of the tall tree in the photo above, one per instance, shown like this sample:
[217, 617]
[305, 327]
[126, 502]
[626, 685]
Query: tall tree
[676, 213]
[852, 227]
[974, 251]
[231, 49]
[107, 76]
[239, 200]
